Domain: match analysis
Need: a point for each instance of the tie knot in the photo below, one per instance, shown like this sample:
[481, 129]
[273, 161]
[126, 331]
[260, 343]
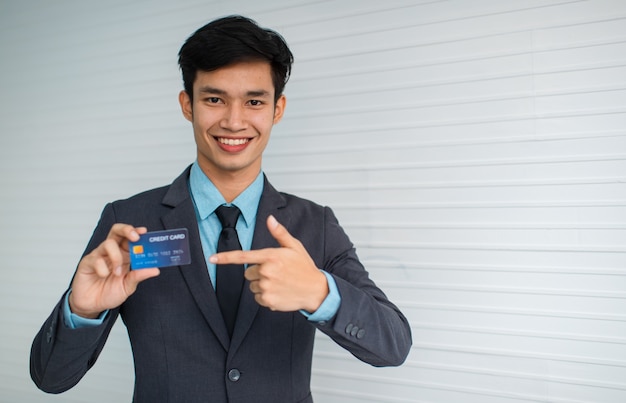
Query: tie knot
[228, 215]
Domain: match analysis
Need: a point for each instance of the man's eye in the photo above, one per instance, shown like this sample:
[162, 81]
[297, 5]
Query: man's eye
[213, 100]
[255, 102]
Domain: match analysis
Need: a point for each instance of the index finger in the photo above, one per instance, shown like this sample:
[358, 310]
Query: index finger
[241, 257]
[120, 232]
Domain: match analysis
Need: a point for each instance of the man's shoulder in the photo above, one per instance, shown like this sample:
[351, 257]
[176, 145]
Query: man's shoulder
[168, 194]
[142, 200]
[289, 200]
[301, 207]
[295, 200]
[155, 194]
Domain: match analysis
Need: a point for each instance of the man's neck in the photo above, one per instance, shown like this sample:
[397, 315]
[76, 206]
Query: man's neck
[231, 184]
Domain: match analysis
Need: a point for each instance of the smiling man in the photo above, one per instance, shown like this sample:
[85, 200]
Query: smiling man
[267, 269]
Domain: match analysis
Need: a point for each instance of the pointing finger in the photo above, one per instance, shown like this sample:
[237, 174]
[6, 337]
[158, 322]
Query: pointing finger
[240, 257]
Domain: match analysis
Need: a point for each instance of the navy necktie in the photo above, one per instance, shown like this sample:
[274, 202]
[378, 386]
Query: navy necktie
[229, 277]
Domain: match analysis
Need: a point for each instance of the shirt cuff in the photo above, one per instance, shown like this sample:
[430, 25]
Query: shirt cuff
[329, 306]
[74, 321]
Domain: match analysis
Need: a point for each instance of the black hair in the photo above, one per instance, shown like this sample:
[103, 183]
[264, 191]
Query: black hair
[234, 39]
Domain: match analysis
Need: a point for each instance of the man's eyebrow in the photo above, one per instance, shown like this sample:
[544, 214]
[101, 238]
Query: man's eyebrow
[258, 93]
[216, 91]
[211, 90]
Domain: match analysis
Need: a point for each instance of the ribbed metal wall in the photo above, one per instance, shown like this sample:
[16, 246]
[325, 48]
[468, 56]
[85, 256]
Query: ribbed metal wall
[474, 151]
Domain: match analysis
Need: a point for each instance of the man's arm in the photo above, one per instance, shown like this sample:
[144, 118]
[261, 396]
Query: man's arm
[60, 355]
[367, 324]
[287, 279]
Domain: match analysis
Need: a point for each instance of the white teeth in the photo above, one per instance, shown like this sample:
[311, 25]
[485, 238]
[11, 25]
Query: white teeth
[232, 142]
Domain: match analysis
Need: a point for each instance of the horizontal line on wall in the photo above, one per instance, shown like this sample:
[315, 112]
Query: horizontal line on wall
[456, 100]
[501, 373]
[494, 247]
[358, 30]
[543, 377]
[461, 80]
[380, 379]
[468, 79]
[558, 292]
[339, 13]
[463, 38]
[411, 65]
[479, 205]
[594, 271]
[456, 142]
[484, 117]
[513, 226]
[594, 316]
[471, 184]
[521, 95]
[494, 162]
[520, 354]
[388, 127]
[518, 333]
[168, 135]
[365, 397]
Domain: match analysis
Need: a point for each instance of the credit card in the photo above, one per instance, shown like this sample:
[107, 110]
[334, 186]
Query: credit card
[160, 249]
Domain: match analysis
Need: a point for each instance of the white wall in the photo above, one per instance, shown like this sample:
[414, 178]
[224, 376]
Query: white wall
[474, 151]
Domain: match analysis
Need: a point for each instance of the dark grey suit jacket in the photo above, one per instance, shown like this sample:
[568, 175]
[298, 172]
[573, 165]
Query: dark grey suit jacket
[180, 345]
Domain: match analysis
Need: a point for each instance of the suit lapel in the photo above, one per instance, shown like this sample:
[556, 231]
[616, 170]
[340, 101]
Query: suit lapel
[271, 203]
[183, 215]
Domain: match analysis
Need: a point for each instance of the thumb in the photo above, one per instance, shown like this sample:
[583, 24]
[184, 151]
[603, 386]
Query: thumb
[280, 233]
[134, 277]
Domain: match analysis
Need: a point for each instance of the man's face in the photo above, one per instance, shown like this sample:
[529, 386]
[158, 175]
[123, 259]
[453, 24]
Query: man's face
[232, 114]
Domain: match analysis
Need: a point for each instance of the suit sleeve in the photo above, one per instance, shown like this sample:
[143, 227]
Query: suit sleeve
[367, 324]
[61, 356]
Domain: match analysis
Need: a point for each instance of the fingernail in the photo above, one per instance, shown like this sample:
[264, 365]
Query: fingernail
[213, 259]
[272, 221]
[118, 271]
[134, 234]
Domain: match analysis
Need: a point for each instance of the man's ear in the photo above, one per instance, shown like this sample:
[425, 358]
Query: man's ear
[279, 108]
[185, 105]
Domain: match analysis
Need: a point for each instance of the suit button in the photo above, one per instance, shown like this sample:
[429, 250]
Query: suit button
[360, 334]
[234, 375]
[349, 328]
[354, 331]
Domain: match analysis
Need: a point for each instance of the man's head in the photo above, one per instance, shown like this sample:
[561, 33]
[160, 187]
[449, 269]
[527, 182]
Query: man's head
[234, 74]
[230, 40]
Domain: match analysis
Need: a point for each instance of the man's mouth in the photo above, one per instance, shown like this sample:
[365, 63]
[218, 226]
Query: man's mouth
[232, 142]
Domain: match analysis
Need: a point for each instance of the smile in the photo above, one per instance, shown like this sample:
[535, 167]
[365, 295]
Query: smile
[232, 142]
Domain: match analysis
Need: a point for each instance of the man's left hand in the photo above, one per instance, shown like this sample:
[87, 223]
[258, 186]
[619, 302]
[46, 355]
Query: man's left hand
[282, 279]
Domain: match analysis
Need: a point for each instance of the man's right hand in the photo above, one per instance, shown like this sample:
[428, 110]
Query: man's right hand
[103, 279]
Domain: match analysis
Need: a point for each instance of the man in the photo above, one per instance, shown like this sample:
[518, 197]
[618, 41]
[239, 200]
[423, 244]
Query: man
[302, 271]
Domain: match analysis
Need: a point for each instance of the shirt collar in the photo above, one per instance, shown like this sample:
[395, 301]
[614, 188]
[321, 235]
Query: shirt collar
[207, 198]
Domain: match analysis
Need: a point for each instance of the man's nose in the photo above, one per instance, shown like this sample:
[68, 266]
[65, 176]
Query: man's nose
[234, 118]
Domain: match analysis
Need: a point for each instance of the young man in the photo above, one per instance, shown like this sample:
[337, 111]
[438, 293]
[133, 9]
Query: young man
[302, 271]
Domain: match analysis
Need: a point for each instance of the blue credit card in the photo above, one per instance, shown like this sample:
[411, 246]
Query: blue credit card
[160, 249]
